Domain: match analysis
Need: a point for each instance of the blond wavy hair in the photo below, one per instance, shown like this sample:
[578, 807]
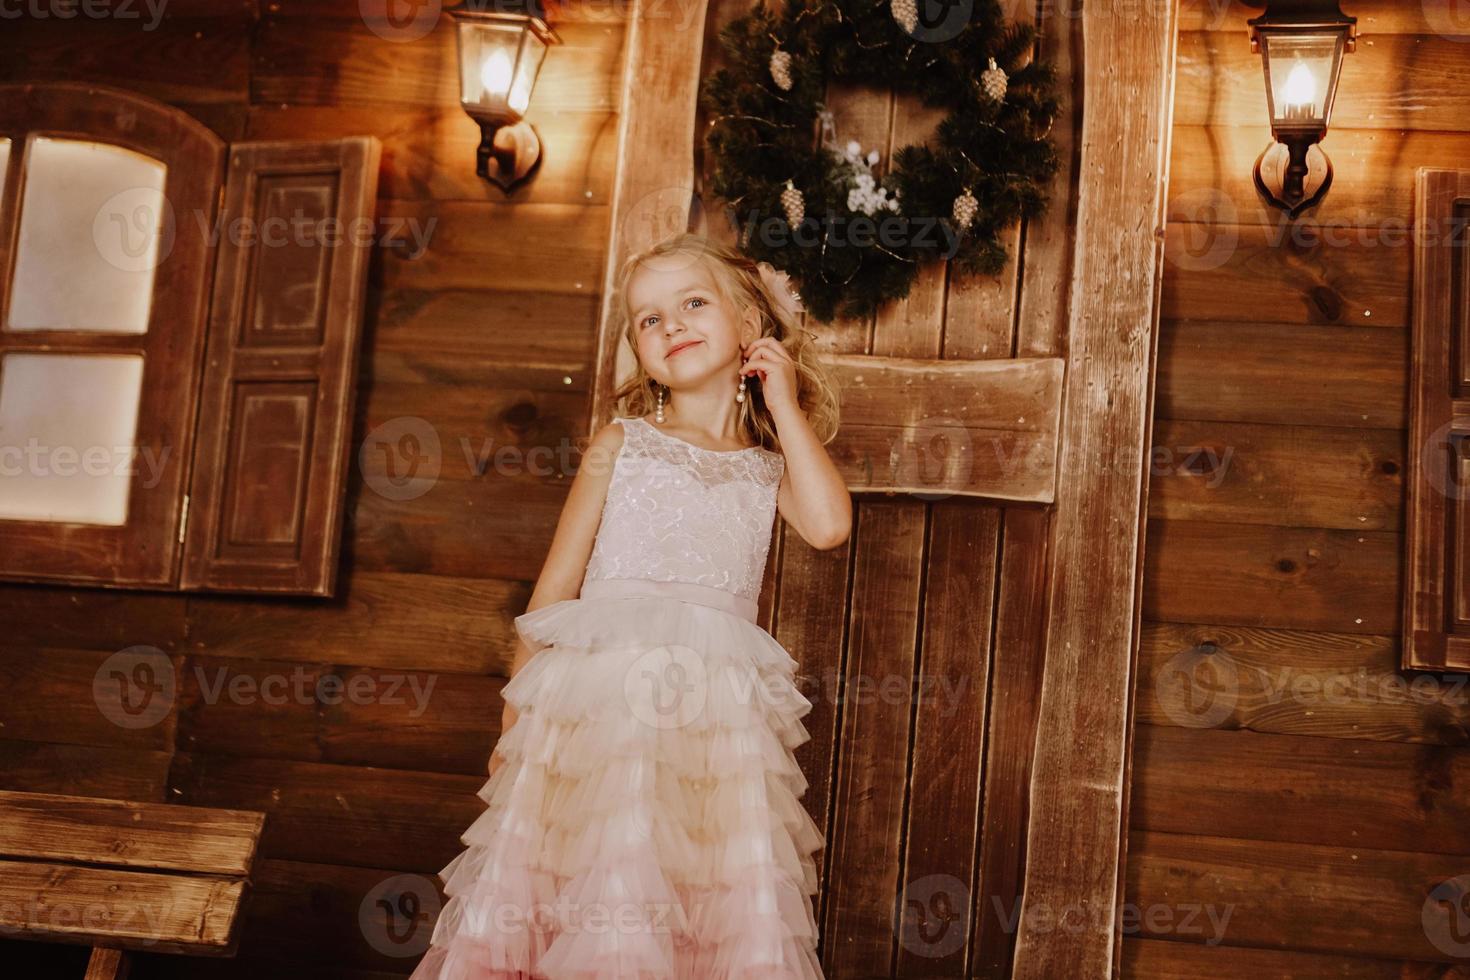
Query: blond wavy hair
[739, 281]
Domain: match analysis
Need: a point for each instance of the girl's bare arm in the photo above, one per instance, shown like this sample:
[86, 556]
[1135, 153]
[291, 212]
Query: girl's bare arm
[812, 497]
[571, 545]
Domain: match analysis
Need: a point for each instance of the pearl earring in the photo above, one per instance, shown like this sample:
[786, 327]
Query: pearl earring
[740, 392]
[659, 414]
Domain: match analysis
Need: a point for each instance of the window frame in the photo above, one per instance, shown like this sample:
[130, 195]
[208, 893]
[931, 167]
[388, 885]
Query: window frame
[1436, 626]
[146, 549]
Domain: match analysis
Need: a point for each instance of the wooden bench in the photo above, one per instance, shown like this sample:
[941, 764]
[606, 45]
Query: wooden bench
[118, 876]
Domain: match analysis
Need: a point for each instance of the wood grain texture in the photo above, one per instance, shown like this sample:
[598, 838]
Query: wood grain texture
[978, 428]
[1257, 575]
[123, 833]
[943, 834]
[1390, 796]
[1301, 274]
[1304, 897]
[1079, 788]
[84, 770]
[1370, 200]
[1280, 475]
[1247, 372]
[1012, 711]
[1170, 959]
[1221, 83]
[1435, 539]
[384, 619]
[1295, 682]
[655, 182]
[348, 815]
[811, 600]
[124, 874]
[872, 773]
[134, 909]
[1375, 17]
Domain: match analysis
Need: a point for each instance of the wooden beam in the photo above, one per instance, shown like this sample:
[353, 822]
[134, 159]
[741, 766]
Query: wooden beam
[995, 437]
[108, 964]
[124, 833]
[193, 915]
[655, 179]
[1069, 923]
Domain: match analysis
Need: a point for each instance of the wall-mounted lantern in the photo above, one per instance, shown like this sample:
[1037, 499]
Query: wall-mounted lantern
[501, 46]
[1301, 44]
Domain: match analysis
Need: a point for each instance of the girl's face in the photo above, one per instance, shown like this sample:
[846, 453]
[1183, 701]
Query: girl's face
[685, 331]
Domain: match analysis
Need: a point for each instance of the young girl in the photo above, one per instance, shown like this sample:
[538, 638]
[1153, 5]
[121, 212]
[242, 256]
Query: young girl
[643, 820]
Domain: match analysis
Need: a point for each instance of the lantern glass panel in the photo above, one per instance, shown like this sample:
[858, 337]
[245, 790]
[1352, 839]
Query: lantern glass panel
[488, 56]
[1301, 76]
[528, 66]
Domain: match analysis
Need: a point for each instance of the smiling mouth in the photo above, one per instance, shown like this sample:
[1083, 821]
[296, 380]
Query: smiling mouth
[682, 347]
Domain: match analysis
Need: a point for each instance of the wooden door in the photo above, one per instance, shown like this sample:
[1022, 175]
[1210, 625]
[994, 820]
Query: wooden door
[969, 654]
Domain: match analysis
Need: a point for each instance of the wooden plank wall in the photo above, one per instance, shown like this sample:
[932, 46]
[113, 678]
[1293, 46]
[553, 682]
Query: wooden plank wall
[481, 320]
[1295, 799]
[919, 642]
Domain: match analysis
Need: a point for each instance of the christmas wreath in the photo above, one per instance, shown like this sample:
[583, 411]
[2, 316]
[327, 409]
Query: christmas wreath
[812, 207]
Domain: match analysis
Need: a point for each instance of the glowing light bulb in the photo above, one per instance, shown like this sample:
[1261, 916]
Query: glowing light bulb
[1300, 91]
[495, 73]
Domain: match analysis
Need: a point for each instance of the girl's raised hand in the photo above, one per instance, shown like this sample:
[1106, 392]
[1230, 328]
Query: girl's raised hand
[768, 358]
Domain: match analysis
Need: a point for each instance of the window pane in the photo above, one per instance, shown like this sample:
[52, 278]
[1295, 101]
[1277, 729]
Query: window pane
[91, 221]
[67, 425]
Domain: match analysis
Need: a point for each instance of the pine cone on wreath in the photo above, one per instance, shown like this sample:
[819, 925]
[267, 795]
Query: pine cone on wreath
[906, 12]
[993, 81]
[963, 212]
[781, 69]
[794, 204]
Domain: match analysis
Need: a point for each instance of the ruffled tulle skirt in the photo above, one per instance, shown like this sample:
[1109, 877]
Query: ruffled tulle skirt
[645, 824]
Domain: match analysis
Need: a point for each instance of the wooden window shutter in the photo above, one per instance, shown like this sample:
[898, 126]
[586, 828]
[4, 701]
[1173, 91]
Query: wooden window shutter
[266, 496]
[1436, 630]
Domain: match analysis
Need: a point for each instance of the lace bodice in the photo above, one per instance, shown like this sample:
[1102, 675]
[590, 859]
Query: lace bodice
[676, 512]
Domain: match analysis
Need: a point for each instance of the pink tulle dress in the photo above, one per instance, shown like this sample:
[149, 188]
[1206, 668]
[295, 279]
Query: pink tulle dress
[645, 824]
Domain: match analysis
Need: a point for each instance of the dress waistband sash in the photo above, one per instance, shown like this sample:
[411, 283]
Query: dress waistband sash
[704, 595]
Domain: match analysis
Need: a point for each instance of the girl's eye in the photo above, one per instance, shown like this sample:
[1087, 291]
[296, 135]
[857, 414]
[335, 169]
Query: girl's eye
[654, 316]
